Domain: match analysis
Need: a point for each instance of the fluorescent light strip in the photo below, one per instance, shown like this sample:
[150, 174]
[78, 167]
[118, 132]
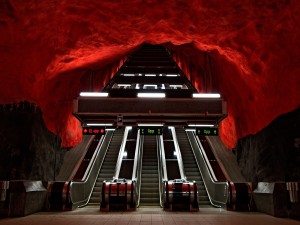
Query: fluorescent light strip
[110, 129]
[197, 95]
[172, 75]
[150, 85]
[201, 125]
[137, 86]
[93, 94]
[150, 124]
[151, 95]
[124, 85]
[175, 86]
[163, 86]
[150, 75]
[128, 75]
[99, 124]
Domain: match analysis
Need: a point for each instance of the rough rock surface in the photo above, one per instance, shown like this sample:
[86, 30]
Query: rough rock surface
[48, 49]
[273, 154]
[27, 148]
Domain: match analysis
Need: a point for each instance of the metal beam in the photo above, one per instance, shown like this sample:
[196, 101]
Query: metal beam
[172, 111]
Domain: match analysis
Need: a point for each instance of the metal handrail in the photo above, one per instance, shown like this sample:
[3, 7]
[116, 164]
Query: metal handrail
[81, 191]
[162, 169]
[179, 157]
[87, 171]
[136, 156]
[163, 158]
[139, 169]
[216, 191]
[121, 152]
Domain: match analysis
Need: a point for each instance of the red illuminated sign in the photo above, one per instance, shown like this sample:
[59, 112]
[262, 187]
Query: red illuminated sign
[93, 130]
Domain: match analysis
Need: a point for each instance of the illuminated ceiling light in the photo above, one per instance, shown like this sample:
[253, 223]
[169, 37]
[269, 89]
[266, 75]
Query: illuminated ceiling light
[150, 124]
[160, 74]
[151, 95]
[128, 75]
[175, 153]
[93, 94]
[172, 75]
[124, 154]
[124, 85]
[163, 86]
[110, 129]
[140, 74]
[201, 125]
[202, 95]
[175, 86]
[99, 124]
[150, 85]
[150, 75]
[137, 86]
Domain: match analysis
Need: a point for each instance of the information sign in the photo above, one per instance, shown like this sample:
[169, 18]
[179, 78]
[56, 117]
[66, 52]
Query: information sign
[207, 131]
[151, 130]
[93, 130]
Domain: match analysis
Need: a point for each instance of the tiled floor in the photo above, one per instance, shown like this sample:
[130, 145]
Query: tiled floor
[147, 216]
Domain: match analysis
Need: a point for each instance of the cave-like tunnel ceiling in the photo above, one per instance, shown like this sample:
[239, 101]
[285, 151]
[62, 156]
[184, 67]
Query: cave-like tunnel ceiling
[49, 48]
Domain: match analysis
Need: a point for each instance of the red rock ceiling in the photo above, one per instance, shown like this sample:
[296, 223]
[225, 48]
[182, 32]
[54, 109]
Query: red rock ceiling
[47, 48]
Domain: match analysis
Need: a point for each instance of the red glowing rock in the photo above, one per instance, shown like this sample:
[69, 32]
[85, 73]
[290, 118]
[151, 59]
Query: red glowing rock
[49, 48]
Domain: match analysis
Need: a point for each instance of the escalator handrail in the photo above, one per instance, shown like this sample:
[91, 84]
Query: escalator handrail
[211, 171]
[81, 191]
[136, 156]
[179, 157]
[163, 158]
[162, 169]
[216, 191]
[121, 152]
[139, 170]
[96, 153]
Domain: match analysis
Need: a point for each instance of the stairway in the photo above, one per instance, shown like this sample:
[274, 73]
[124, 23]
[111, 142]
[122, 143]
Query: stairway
[108, 166]
[190, 165]
[149, 193]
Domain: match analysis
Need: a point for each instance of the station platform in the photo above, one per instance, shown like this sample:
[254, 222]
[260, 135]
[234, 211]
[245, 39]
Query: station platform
[148, 216]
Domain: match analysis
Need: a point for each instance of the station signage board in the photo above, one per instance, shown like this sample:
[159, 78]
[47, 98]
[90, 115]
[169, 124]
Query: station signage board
[207, 131]
[90, 130]
[151, 130]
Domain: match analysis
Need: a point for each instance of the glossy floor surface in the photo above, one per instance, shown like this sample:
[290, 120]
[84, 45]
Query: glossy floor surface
[147, 216]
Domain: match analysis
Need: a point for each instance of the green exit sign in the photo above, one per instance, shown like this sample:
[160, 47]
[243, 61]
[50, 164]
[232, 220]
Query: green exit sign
[207, 131]
[151, 130]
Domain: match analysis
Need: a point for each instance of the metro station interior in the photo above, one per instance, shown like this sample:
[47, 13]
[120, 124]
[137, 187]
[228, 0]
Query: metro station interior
[146, 118]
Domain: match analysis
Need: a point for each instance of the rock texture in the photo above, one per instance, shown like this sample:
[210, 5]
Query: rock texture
[48, 49]
[273, 154]
[27, 148]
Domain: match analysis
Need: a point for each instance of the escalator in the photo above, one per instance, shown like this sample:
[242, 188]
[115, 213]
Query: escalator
[108, 167]
[149, 193]
[190, 165]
